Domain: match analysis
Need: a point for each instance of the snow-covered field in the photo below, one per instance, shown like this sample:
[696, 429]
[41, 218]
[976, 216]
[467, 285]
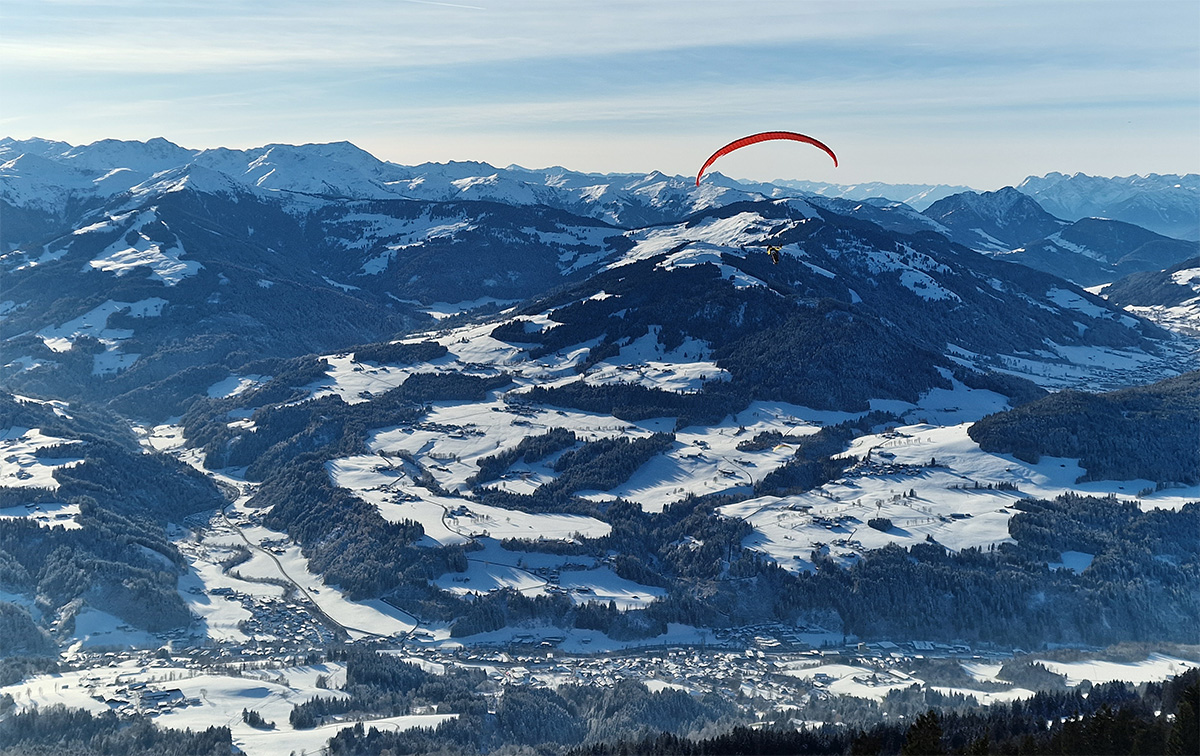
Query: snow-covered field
[449, 519]
[164, 259]
[964, 500]
[94, 323]
[535, 573]
[852, 680]
[21, 468]
[197, 700]
[1155, 668]
[957, 502]
[48, 514]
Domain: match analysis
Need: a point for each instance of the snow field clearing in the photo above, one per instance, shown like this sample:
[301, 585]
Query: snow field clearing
[874, 681]
[357, 382]
[706, 459]
[57, 406]
[163, 437]
[443, 310]
[701, 253]
[850, 680]
[729, 233]
[164, 260]
[950, 502]
[484, 577]
[1051, 477]
[20, 468]
[256, 742]
[211, 699]
[604, 585]
[48, 514]
[234, 385]
[96, 629]
[645, 362]
[534, 573]
[95, 323]
[539, 576]
[448, 519]
[1154, 668]
[983, 671]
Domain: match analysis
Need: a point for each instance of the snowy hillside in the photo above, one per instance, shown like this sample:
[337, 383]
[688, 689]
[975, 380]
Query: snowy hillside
[1169, 297]
[1092, 251]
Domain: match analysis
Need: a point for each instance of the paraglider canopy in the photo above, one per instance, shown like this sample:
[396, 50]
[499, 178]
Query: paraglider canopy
[765, 136]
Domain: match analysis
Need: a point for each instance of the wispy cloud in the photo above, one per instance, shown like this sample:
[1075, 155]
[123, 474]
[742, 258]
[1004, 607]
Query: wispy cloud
[620, 79]
[186, 37]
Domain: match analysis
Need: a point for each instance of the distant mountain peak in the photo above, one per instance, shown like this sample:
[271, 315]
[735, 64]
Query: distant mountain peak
[993, 221]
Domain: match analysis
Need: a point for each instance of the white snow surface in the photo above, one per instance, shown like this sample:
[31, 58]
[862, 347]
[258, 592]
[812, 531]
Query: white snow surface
[94, 323]
[47, 514]
[1155, 668]
[234, 385]
[20, 468]
[1073, 301]
[942, 502]
[214, 699]
[164, 259]
[1187, 277]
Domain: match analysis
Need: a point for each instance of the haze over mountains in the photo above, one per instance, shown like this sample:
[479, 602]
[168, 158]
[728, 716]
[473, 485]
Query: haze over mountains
[260, 401]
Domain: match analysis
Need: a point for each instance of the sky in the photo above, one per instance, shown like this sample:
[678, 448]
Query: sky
[981, 94]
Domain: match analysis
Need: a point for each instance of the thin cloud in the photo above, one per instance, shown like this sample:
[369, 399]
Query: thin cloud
[619, 81]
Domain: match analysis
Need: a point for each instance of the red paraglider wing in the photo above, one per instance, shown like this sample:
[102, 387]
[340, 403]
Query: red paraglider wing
[765, 136]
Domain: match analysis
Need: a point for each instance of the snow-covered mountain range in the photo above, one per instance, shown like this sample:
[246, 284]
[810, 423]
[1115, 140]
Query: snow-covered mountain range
[1088, 251]
[917, 196]
[129, 264]
[41, 177]
[1166, 204]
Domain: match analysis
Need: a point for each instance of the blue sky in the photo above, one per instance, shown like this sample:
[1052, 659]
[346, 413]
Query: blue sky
[976, 93]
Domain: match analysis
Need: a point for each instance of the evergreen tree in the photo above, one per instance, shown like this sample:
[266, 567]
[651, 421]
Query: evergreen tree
[1185, 733]
[924, 737]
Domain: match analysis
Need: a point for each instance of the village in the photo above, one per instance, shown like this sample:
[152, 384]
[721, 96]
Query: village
[768, 667]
